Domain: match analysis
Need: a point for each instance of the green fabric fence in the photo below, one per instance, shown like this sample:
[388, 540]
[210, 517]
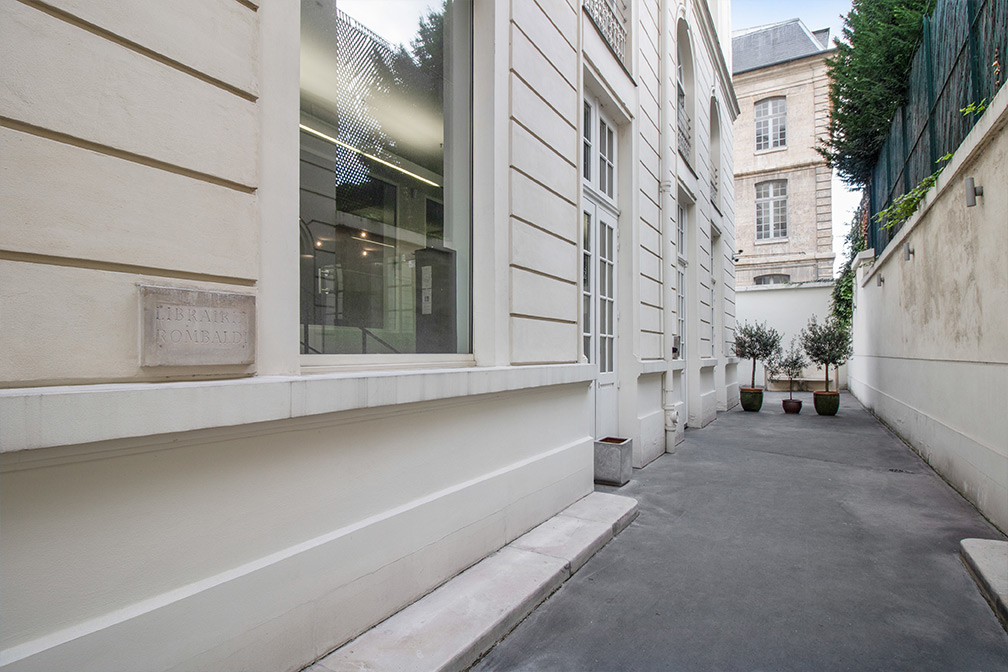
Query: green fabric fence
[961, 60]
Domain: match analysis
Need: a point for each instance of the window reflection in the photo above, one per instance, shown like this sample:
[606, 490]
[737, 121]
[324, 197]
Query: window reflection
[385, 187]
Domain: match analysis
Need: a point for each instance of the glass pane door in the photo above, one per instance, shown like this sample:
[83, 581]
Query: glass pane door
[606, 294]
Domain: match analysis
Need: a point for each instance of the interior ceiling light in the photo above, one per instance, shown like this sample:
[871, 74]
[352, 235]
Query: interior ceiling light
[344, 145]
[371, 242]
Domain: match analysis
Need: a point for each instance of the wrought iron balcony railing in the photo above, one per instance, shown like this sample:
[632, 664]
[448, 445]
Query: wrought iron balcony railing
[611, 23]
[685, 128]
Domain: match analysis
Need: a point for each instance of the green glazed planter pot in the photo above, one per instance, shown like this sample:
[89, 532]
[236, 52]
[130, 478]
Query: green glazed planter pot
[751, 398]
[826, 403]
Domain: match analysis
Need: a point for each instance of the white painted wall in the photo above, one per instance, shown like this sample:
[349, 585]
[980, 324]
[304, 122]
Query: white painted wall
[245, 548]
[124, 159]
[786, 308]
[930, 341]
[545, 183]
[709, 371]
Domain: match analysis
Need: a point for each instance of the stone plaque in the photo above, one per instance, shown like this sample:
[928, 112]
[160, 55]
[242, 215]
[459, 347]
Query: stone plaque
[190, 327]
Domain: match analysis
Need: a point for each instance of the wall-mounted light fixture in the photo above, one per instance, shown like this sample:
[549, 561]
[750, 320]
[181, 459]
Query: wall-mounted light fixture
[907, 251]
[881, 280]
[972, 191]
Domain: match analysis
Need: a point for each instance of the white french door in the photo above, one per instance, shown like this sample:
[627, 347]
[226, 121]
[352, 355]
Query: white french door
[599, 309]
[682, 324]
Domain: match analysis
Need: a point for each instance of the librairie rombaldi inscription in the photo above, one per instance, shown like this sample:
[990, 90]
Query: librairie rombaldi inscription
[189, 327]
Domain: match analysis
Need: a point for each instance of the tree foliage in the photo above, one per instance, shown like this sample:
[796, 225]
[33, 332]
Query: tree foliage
[790, 363]
[869, 76]
[756, 342]
[409, 82]
[842, 300]
[827, 343]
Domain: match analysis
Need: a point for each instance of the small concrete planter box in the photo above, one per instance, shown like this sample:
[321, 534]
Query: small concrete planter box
[613, 460]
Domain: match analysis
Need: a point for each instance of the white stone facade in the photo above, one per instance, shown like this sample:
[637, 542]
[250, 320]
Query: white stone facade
[256, 516]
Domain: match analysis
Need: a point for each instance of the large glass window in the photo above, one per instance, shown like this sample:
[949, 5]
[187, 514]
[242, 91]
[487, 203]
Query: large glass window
[385, 176]
[771, 210]
[771, 123]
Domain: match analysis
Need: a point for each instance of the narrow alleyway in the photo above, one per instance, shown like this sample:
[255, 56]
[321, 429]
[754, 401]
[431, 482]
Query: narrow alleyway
[775, 542]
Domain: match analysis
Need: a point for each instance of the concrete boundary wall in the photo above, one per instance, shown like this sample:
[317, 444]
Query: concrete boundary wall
[786, 308]
[930, 336]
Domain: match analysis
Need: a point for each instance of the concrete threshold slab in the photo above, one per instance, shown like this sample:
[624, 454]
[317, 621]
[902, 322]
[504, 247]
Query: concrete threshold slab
[450, 628]
[987, 561]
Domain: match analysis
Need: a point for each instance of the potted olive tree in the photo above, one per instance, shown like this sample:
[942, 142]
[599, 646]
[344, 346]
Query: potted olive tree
[827, 343]
[757, 342]
[791, 364]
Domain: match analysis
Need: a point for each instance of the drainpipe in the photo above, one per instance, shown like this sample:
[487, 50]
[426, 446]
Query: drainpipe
[666, 204]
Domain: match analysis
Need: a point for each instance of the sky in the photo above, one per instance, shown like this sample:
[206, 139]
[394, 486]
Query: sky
[815, 14]
[395, 20]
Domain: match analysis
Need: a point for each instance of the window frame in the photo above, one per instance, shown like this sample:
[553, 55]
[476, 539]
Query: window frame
[600, 138]
[682, 234]
[681, 267]
[776, 230]
[338, 362]
[775, 134]
[771, 279]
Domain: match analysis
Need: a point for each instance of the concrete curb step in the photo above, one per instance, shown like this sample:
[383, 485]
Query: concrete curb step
[987, 561]
[454, 625]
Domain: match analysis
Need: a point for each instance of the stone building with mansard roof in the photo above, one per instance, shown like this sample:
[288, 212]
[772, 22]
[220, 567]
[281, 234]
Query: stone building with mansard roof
[784, 224]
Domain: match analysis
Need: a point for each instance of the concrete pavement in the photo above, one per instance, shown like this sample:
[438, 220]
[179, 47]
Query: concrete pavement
[452, 626]
[776, 542]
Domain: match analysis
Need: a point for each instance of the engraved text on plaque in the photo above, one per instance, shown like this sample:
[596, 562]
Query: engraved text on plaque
[188, 327]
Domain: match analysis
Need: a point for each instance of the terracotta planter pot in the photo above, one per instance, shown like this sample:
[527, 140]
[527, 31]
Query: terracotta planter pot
[751, 398]
[792, 405]
[826, 403]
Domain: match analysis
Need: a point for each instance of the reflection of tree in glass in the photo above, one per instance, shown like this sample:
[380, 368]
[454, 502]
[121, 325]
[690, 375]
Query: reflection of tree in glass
[389, 105]
[409, 93]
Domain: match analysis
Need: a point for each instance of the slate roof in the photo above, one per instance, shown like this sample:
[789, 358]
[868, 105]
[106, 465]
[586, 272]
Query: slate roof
[761, 46]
